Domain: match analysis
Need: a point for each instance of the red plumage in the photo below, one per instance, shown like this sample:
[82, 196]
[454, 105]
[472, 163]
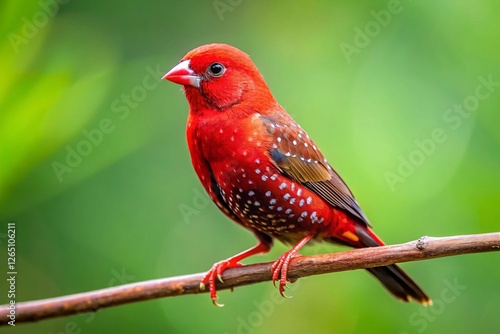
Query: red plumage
[263, 171]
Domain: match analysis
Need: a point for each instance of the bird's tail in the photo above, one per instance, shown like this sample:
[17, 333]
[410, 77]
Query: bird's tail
[396, 281]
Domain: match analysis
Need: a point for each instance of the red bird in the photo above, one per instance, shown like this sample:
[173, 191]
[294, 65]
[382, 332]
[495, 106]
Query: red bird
[264, 171]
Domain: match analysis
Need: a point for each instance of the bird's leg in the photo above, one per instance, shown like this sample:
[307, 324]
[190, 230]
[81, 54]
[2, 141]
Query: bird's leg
[280, 267]
[218, 268]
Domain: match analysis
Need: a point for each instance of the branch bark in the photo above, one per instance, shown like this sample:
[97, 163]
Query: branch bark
[421, 249]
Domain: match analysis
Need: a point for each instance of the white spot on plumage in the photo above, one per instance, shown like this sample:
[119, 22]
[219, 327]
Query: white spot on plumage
[303, 214]
[257, 171]
[306, 144]
[282, 186]
[299, 192]
[292, 201]
[245, 153]
[220, 130]
[301, 202]
[288, 211]
[251, 193]
[232, 138]
[300, 220]
[294, 142]
[264, 177]
[287, 196]
[257, 161]
[279, 208]
[268, 193]
[273, 201]
[250, 182]
[256, 203]
[278, 139]
[309, 200]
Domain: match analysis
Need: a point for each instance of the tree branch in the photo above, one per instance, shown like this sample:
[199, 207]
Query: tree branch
[422, 249]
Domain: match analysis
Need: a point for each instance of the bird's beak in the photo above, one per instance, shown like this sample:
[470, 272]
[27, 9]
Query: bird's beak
[182, 74]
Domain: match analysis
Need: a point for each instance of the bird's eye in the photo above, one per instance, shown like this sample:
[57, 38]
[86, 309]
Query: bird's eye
[216, 70]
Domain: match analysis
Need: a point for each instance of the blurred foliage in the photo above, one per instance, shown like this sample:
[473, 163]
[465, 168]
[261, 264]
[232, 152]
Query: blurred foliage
[95, 172]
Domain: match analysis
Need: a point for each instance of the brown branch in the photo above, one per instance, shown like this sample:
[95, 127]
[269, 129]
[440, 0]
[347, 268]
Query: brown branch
[422, 249]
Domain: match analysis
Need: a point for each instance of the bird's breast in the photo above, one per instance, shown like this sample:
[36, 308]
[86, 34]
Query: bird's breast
[253, 188]
[266, 200]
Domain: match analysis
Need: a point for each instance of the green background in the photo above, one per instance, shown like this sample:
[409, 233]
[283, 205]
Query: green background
[377, 85]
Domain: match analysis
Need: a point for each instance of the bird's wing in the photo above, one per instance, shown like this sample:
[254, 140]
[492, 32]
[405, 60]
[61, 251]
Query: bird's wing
[298, 157]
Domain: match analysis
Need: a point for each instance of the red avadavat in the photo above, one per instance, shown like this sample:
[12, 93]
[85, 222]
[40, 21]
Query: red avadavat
[264, 171]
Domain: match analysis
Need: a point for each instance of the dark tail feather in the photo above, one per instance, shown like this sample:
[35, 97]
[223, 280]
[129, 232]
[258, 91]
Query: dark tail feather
[400, 284]
[392, 277]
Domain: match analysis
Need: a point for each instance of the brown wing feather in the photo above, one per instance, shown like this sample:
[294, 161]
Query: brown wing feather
[298, 157]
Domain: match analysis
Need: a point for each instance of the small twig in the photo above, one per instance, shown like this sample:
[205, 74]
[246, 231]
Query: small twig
[422, 249]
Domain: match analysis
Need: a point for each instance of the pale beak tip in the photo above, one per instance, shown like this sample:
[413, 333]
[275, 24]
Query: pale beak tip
[182, 74]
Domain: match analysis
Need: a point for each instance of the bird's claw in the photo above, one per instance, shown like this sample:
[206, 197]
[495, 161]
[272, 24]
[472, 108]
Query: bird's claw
[282, 293]
[214, 275]
[280, 271]
[214, 301]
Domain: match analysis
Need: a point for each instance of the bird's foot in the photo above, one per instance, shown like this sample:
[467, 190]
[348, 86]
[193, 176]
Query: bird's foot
[280, 270]
[214, 274]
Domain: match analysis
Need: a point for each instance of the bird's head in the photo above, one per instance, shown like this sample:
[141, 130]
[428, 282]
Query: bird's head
[220, 77]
